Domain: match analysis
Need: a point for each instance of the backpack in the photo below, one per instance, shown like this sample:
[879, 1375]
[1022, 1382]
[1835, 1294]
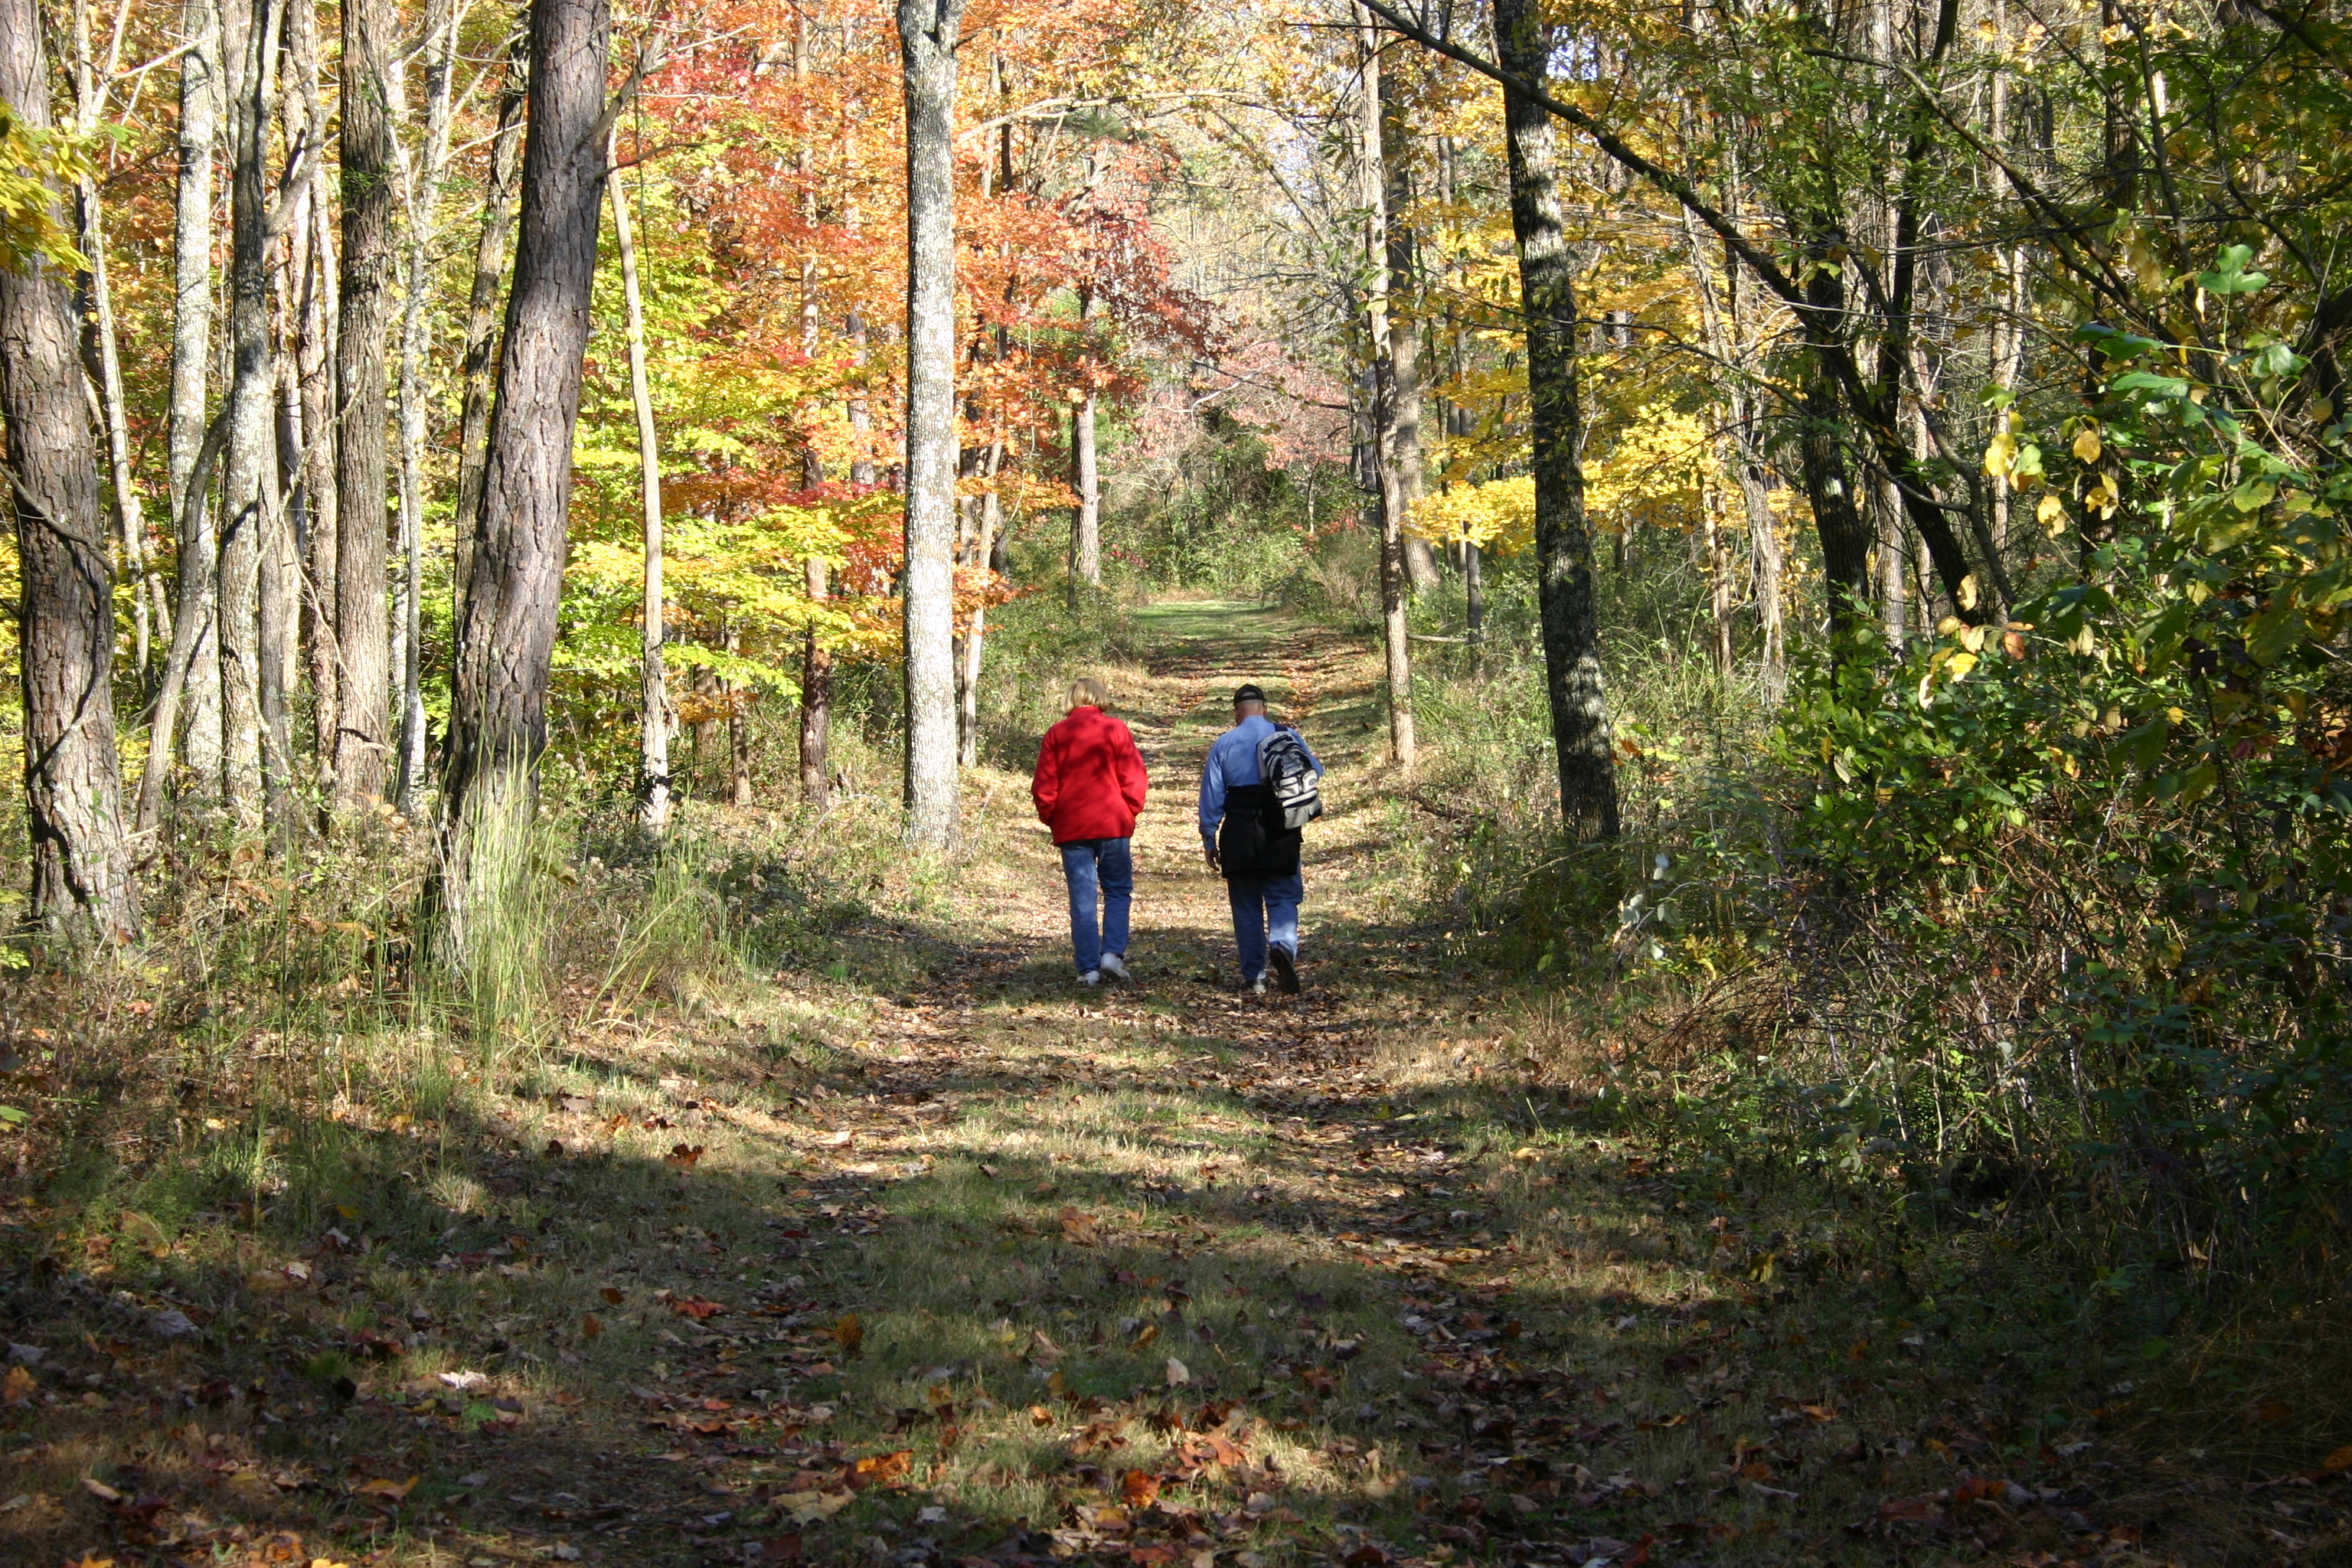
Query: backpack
[1292, 797]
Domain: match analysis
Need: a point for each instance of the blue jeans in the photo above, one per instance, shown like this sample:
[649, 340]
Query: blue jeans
[1089, 865]
[1266, 909]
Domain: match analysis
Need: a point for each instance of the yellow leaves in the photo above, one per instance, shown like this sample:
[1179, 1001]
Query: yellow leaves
[1499, 517]
[1968, 591]
[2087, 446]
[1656, 473]
[2051, 513]
[2103, 497]
[2001, 452]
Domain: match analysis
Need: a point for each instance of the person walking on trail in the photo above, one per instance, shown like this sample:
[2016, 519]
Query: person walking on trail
[1089, 787]
[1258, 789]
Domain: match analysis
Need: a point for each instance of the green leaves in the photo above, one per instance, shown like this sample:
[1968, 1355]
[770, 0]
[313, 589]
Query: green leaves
[2230, 276]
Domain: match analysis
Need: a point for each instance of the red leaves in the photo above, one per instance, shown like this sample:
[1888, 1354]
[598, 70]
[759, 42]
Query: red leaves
[880, 1470]
[1139, 1488]
[683, 1157]
[698, 1308]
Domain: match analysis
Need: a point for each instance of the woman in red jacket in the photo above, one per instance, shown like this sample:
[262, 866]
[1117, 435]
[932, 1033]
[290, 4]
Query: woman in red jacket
[1089, 787]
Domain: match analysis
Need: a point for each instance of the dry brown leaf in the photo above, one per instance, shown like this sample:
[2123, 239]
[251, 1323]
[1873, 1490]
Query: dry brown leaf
[1079, 1228]
[1178, 1374]
[849, 1334]
[1139, 1488]
[395, 1491]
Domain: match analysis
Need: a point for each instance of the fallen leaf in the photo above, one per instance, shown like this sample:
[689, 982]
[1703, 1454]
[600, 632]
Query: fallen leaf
[881, 1469]
[683, 1157]
[809, 1507]
[781, 1548]
[1139, 1488]
[1079, 1228]
[1178, 1374]
[849, 1334]
[395, 1491]
[1144, 1336]
[99, 1490]
[1040, 1416]
[17, 1386]
[612, 1297]
[2341, 1459]
[591, 1325]
[171, 1324]
[698, 1308]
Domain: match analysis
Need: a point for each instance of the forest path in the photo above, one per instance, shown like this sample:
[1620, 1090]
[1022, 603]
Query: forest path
[917, 1254]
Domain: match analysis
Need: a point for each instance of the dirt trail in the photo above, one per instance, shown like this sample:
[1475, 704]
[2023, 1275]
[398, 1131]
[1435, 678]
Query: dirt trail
[945, 1260]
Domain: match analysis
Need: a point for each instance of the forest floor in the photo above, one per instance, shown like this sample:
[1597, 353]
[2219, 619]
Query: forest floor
[932, 1256]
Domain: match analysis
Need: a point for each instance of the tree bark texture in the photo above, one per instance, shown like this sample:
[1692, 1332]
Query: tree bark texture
[203, 78]
[497, 724]
[82, 885]
[312, 244]
[1571, 638]
[249, 514]
[482, 309]
[363, 672]
[654, 716]
[926, 37]
[1405, 403]
[816, 699]
[1396, 434]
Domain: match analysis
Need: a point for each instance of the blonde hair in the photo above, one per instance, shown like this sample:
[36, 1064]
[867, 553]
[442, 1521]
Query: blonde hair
[1086, 691]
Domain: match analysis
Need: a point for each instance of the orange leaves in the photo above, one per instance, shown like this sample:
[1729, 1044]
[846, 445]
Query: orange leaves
[683, 1157]
[698, 1308]
[880, 1470]
[1080, 1229]
[1139, 1488]
[849, 1333]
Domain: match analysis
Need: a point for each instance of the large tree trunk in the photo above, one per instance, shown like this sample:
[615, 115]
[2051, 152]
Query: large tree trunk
[1571, 638]
[817, 699]
[249, 512]
[203, 72]
[653, 724]
[363, 675]
[82, 885]
[482, 310]
[975, 638]
[497, 722]
[1404, 402]
[926, 37]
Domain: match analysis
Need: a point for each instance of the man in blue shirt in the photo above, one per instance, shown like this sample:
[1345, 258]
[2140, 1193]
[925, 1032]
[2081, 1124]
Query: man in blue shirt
[1260, 862]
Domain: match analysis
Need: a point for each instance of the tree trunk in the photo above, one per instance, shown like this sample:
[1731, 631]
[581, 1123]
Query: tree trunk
[653, 689]
[482, 310]
[1843, 529]
[975, 638]
[202, 80]
[101, 355]
[926, 37]
[249, 514]
[1396, 434]
[421, 192]
[363, 673]
[739, 727]
[313, 244]
[1894, 569]
[82, 885]
[1086, 522]
[498, 724]
[1474, 596]
[1404, 402]
[816, 699]
[1571, 638]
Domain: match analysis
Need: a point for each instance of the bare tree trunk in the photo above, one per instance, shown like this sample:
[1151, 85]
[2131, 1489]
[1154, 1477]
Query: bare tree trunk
[363, 675]
[739, 727]
[654, 716]
[101, 355]
[82, 885]
[203, 76]
[249, 481]
[975, 638]
[421, 190]
[498, 725]
[926, 36]
[1396, 435]
[1086, 523]
[482, 309]
[816, 699]
[1894, 568]
[313, 244]
[1571, 637]
[1405, 403]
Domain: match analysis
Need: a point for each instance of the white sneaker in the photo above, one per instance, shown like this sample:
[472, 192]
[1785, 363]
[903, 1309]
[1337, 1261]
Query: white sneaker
[1091, 977]
[1256, 987]
[1114, 965]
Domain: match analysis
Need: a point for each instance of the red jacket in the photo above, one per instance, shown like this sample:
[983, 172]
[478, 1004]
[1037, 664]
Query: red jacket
[1089, 781]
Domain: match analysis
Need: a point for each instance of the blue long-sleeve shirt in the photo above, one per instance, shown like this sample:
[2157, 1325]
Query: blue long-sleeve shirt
[1232, 760]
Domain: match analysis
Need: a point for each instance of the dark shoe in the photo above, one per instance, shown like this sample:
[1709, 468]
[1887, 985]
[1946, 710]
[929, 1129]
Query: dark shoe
[1286, 973]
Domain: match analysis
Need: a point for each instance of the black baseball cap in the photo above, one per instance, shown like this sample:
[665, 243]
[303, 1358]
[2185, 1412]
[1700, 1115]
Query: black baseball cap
[1248, 694]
